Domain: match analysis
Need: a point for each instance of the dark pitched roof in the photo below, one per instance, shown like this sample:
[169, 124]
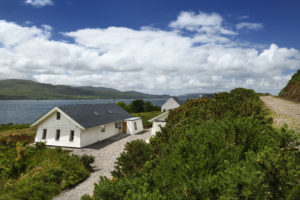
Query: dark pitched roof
[180, 102]
[91, 115]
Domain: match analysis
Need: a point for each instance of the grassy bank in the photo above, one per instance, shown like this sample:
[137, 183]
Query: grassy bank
[13, 129]
[146, 116]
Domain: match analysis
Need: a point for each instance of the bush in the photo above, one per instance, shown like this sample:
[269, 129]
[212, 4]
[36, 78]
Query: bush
[222, 148]
[149, 107]
[137, 106]
[132, 160]
[38, 172]
[86, 197]
[87, 160]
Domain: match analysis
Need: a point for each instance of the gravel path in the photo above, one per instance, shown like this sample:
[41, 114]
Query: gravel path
[105, 153]
[283, 111]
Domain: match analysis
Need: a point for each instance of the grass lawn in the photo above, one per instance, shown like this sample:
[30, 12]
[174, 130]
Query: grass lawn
[146, 116]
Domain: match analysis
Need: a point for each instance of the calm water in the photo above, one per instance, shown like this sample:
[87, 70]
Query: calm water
[27, 111]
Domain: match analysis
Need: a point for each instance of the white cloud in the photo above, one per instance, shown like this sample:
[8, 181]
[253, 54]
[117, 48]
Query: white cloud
[202, 22]
[39, 3]
[149, 60]
[251, 26]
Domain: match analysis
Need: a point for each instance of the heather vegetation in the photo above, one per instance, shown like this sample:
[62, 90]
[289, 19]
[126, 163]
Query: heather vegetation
[222, 148]
[37, 172]
[292, 90]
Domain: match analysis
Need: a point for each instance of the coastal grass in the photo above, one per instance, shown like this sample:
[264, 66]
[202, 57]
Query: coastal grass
[146, 116]
[17, 130]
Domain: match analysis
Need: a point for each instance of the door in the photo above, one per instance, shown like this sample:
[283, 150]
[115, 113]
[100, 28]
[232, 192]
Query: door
[124, 127]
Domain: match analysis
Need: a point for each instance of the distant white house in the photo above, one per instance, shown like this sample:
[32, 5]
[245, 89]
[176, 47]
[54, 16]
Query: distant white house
[160, 120]
[84, 124]
[171, 103]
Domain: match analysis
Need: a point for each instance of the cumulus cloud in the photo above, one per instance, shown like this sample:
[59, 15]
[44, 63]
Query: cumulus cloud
[149, 59]
[251, 26]
[39, 3]
[201, 22]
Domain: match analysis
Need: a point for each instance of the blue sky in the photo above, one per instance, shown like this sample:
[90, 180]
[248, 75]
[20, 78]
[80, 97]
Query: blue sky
[155, 46]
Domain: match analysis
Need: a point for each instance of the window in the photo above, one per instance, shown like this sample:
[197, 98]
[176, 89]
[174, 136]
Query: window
[135, 126]
[72, 136]
[44, 134]
[164, 110]
[120, 125]
[58, 115]
[57, 134]
[116, 125]
[103, 129]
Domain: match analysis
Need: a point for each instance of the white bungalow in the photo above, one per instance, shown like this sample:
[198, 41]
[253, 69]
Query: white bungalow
[171, 103]
[84, 124]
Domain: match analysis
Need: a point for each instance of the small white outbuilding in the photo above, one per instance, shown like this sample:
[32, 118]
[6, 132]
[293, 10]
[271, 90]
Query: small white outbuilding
[134, 125]
[158, 122]
[84, 124]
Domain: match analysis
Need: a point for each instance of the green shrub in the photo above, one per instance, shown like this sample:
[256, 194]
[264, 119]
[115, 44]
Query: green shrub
[37, 172]
[87, 160]
[222, 148]
[86, 197]
[132, 160]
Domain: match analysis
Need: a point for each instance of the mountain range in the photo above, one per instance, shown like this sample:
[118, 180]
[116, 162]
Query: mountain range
[27, 89]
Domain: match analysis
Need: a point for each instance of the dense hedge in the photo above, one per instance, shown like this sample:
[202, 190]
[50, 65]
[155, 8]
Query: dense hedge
[37, 172]
[222, 148]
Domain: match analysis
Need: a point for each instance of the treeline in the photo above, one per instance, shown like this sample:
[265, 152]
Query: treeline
[138, 106]
[221, 148]
[37, 172]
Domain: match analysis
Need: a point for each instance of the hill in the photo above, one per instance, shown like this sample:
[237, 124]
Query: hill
[292, 90]
[26, 89]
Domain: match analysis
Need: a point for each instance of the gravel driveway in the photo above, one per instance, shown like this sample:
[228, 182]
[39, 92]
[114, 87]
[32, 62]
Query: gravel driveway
[105, 153]
[283, 111]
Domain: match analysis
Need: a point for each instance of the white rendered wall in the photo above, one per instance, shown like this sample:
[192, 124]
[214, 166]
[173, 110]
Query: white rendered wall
[130, 126]
[93, 135]
[156, 127]
[65, 126]
[169, 104]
